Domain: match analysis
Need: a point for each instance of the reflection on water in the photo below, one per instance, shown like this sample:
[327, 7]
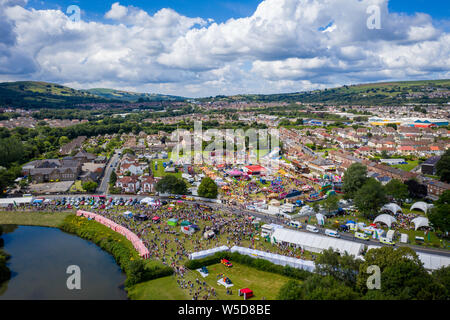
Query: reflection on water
[39, 260]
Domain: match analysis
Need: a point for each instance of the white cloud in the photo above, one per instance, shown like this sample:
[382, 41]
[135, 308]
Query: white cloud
[287, 45]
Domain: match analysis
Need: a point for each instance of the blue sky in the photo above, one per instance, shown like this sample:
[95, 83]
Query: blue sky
[222, 10]
[215, 47]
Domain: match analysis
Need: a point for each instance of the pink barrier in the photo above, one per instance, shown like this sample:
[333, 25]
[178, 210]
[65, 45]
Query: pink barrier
[134, 239]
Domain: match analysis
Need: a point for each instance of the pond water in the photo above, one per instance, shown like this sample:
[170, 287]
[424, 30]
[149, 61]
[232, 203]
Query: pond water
[39, 260]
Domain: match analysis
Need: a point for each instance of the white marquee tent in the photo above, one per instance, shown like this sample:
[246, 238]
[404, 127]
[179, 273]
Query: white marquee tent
[207, 253]
[392, 207]
[317, 243]
[276, 258]
[15, 201]
[420, 222]
[386, 219]
[430, 261]
[420, 205]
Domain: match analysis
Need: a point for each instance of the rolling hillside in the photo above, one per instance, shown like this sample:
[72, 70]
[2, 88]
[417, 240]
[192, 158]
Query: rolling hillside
[132, 96]
[32, 94]
[388, 93]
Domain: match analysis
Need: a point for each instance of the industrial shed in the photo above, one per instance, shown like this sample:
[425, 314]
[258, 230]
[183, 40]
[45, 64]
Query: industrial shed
[317, 243]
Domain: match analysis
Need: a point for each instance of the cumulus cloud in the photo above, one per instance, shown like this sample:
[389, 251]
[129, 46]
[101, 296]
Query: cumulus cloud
[285, 45]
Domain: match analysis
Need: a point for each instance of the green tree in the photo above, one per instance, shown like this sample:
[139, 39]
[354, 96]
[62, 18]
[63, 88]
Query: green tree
[402, 276]
[343, 268]
[63, 140]
[416, 189]
[11, 150]
[208, 188]
[136, 272]
[397, 190]
[443, 167]
[171, 184]
[89, 186]
[113, 178]
[129, 151]
[442, 276]
[439, 215]
[318, 287]
[370, 198]
[354, 178]
[292, 290]
[331, 203]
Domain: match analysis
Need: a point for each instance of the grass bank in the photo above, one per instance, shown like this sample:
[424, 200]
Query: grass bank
[36, 218]
[126, 256]
[265, 285]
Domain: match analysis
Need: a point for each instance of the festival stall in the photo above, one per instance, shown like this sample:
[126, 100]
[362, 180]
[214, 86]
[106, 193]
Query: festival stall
[172, 222]
[246, 292]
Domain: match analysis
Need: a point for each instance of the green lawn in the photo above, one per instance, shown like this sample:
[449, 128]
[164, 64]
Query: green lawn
[160, 172]
[165, 288]
[77, 187]
[407, 167]
[264, 284]
[45, 219]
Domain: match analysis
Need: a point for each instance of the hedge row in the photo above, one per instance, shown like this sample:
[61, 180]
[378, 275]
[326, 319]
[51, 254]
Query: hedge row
[5, 273]
[259, 264]
[116, 244]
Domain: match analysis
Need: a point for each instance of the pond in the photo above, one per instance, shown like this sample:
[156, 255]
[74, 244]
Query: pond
[39, 260]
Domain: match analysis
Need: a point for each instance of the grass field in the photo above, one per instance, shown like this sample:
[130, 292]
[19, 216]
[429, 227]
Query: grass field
[160, 172]
[45, 219]
[77, 187]
[264, 284]
[407, 167]
[165, 288]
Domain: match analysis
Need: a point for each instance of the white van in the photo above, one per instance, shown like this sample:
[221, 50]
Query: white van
[332, 233]
[312, 229]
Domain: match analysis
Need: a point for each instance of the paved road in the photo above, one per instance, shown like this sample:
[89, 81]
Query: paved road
[103, 188]
[274, 219]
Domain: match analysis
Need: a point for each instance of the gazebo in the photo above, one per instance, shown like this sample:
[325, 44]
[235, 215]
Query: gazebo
[246, 292]
[386, 219]
[423, 206]
[156, 219]
[392, 207]
[420, 222]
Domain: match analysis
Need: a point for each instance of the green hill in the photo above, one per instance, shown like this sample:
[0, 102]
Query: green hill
[33, 94]
[383, 93]
[132, 96]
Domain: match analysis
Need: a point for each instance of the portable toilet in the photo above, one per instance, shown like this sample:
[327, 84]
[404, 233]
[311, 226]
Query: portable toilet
[404, 238]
